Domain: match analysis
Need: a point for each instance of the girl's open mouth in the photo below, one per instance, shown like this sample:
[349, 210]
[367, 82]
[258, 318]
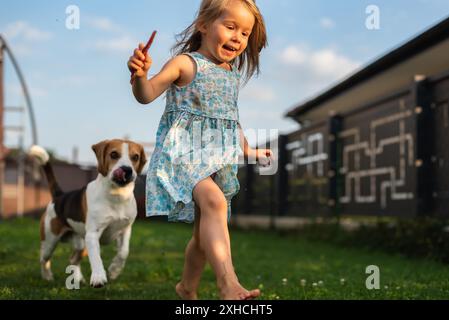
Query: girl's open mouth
[229, 49]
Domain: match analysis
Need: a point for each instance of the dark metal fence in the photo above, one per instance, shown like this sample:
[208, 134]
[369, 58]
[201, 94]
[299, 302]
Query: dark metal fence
[389, 157]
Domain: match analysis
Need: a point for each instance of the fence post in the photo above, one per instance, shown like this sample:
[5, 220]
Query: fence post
[282, 180]
[421, 100]
[249, 188]
[335, 126]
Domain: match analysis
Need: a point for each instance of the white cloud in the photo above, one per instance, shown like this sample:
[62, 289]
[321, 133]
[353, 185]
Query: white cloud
[121, 41]
[23, 30]
[21, 36]
[103, 24]
[327, 62]
[323, 63]
[293, 55]
[120, 44]
[327, 23]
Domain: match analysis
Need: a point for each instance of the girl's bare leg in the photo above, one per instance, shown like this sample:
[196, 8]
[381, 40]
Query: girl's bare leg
[215, 241]
[195, 260]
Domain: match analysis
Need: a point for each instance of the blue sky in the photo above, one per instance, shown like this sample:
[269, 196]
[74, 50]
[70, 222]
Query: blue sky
[80, 83]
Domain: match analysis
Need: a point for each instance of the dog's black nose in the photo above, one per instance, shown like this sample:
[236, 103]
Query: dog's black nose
[128, 172]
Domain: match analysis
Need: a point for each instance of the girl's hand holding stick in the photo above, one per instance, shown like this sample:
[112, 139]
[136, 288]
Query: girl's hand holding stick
[140, 62]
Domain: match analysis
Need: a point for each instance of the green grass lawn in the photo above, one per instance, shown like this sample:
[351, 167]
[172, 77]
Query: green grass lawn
[282, 266]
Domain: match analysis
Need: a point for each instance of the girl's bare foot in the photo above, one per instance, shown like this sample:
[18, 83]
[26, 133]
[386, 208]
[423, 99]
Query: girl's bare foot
[235, 291]
[185, 294]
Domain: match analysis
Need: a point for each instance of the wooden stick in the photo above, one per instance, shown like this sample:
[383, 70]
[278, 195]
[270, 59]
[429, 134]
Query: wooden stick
[145, 51]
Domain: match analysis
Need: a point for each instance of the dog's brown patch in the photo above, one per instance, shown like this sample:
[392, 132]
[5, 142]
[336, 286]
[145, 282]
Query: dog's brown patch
[76, 257]
[57, 227]
[84, 207]
[136, 151]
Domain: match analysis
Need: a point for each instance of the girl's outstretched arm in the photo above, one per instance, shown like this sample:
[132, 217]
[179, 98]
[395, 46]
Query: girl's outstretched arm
[250, 154]
[146, 91]
[244, 144]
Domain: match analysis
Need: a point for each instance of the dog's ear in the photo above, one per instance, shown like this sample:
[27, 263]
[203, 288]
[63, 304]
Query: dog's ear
[143, 159]
[100, 152]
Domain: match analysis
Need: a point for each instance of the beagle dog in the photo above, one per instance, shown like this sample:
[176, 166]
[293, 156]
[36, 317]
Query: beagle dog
[101, 212]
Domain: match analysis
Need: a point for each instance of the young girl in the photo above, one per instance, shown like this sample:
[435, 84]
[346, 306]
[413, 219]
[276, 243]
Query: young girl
[202, 83]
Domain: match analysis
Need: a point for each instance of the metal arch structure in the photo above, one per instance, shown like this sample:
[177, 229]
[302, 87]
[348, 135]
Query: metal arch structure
[4, 46]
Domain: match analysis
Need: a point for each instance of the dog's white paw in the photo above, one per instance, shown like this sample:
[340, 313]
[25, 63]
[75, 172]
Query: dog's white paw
[98, 279]
[113, 274]
[47, 275]
[116, 268]
[78, 276]
[46, 271]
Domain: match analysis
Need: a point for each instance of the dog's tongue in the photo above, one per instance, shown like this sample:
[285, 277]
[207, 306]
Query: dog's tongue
[119, 174]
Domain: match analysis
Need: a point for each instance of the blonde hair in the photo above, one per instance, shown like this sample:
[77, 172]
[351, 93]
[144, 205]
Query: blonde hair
[248, 62]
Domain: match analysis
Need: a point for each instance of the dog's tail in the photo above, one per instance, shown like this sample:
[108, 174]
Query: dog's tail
[44, 160]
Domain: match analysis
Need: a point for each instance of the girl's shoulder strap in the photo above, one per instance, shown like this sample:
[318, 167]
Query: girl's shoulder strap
[203, 63]
[198, 58]
[194, 54]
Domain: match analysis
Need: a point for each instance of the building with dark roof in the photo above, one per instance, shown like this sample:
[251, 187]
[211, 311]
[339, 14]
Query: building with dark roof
[427, 54]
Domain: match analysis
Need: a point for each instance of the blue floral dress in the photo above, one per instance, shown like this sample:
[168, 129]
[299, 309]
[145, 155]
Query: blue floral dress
[198, 136]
